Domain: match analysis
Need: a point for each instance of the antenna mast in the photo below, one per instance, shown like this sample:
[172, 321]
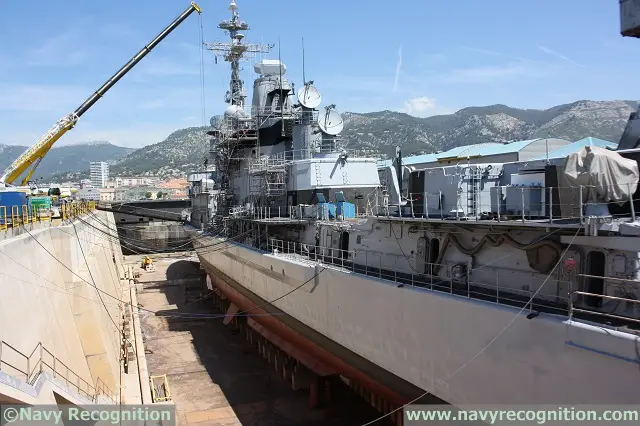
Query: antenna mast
[304, 78]
[281, 101]
[234, 52]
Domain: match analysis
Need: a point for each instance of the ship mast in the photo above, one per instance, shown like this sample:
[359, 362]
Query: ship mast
[234, 52]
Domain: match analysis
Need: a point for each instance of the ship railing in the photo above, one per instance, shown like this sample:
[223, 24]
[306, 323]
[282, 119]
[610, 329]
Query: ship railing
[620, 310]
[262, 112]
[269, 212]
[293, 249]
[383, 162]
[29, 367]
[250, 117]
[524, 203]
[284, 158]
[502, 286]
[297, 212]
[484, 282]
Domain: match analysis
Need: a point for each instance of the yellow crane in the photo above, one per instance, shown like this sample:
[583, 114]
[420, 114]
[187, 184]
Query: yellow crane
[32, 157]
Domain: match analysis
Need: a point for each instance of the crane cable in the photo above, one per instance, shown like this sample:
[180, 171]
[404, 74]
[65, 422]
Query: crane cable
[202, 84]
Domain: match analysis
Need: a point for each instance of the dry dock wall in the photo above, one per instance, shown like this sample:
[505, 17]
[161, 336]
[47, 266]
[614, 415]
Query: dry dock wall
[42, 303]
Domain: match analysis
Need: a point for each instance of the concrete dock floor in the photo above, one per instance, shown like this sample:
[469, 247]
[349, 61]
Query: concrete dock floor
[216, 378]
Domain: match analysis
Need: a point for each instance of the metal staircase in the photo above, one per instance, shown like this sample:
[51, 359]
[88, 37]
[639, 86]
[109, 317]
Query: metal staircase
[29, 368]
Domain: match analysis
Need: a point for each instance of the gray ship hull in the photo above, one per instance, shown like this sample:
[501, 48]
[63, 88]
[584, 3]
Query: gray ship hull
[462, 350]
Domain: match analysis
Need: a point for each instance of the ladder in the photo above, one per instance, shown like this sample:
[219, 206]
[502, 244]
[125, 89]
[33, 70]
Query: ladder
[275, 184]
[474, 178]
[345, 176]
[318, 173]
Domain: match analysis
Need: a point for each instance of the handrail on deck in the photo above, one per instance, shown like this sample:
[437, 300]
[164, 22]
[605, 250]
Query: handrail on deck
[444, 277]
[573, 308]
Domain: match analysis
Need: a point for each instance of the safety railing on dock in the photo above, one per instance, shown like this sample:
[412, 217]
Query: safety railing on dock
[29, 367]
[22, 215]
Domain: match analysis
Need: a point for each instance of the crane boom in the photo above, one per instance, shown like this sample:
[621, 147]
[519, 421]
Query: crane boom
[33, 155]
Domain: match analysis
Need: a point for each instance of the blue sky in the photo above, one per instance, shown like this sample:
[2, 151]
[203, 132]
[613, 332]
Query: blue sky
[424, 57]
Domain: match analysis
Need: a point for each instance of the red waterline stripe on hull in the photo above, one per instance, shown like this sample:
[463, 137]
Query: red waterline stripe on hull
[312, 363]
[272, 323]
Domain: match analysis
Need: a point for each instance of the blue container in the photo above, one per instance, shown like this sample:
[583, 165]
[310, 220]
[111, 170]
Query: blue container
[347, 210]
[326, 211]
[11, 199]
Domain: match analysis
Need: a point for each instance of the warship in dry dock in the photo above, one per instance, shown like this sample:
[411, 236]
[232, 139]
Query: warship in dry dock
[492, 273]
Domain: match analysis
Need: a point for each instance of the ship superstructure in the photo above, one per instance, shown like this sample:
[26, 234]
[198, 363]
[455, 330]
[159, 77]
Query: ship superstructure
[509, 264]
[280, 151]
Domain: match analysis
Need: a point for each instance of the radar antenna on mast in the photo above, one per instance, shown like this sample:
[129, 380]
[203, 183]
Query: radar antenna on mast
[309, 97]
[330, 122]
[234, 52]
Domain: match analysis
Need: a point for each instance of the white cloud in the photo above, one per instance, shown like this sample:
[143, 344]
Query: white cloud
[40, 98]
[420, 105]
[396, 80]
[57, 51]
[559, 55]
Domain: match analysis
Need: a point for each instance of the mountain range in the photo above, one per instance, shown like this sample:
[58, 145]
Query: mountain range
[67, 158]
[185, 149]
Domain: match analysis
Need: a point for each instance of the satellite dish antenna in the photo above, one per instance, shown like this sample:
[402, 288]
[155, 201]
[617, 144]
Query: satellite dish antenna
[330, 122]
[309, 97]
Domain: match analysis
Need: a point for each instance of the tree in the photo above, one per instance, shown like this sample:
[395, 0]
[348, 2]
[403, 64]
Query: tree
[159, 195]
[148, 195]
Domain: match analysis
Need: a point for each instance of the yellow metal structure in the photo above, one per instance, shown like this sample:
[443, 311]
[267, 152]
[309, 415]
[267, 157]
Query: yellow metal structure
[37, 214]
[146, 262]
[30, 159]
[3, 218]
[35, 154]
[15, 216]
[160, 388]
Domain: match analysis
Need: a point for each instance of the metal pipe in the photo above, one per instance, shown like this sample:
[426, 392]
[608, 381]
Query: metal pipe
[134, 61]
[582, 293]
[607, 315]
[522, 199]
[580, 204]
[550, 204]
[633, 209]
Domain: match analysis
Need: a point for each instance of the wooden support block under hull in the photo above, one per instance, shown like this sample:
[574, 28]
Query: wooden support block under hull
[302, 370]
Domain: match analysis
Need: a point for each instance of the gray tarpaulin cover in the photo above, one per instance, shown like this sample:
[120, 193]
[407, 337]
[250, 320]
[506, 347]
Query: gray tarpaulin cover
[605, 175]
